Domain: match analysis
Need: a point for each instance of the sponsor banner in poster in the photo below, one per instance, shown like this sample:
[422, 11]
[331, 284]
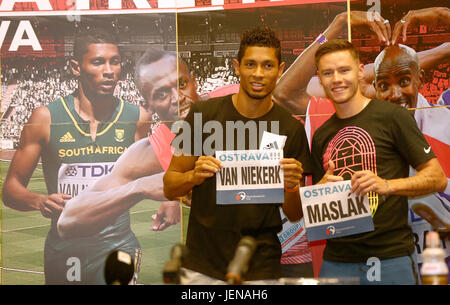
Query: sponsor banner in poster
[74, 178]
[291, 232]
[250, 176]
[330, 211]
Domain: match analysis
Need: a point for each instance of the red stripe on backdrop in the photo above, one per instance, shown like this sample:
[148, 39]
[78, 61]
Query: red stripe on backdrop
[239, 5]
[317, 249]
[64, 5]
[442, 152]
[294, 236]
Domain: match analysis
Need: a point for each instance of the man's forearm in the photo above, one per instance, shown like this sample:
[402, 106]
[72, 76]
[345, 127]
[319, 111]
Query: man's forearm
[292, 206]
[178, 184]
[428, 180]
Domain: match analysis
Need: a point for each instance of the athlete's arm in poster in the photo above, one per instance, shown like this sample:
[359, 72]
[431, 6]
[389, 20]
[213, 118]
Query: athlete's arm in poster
[293, 90]
[35, 135]
[169, 213]
[136, 175]
[430, 16]
[143, 125]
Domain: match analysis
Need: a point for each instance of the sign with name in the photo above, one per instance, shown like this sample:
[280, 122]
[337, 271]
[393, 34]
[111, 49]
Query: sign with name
[331, 211]
[250, 176]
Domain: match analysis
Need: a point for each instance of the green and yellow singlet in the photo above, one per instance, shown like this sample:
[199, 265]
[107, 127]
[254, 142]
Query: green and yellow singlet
[73, 162]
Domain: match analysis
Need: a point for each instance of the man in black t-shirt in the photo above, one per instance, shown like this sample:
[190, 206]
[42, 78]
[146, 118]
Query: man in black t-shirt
[214, 231]
[372, 143]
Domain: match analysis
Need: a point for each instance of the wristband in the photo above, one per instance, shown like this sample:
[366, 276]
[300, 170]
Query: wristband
[292, 190]
[387, 187]
[321, 39]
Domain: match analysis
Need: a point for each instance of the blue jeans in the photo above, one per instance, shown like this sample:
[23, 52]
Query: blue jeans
[395, 271]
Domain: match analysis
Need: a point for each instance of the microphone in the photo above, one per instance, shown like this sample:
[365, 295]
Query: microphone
[239, 265]
[119, 268]
[171, 270]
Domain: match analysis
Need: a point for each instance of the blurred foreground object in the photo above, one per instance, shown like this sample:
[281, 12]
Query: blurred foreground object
[434, 269]
[119, 268]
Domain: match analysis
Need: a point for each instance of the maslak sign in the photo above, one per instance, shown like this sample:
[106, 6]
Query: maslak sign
[330, 210]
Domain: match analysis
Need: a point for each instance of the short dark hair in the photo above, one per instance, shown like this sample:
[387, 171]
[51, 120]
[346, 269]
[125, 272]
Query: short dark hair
[259, 37]
[150, 56]
[85, 38]
[335, 45]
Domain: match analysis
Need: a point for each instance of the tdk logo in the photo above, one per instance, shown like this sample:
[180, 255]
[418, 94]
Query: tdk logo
[92, 170]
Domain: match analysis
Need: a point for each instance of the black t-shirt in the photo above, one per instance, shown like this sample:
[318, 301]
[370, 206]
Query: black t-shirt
[215, 230]
[385, 139]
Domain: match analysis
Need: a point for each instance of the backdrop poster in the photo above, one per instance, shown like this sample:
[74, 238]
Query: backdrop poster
[202, 34]
[36, 71]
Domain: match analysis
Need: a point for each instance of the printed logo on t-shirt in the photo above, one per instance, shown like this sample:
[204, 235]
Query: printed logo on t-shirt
[352, 150]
